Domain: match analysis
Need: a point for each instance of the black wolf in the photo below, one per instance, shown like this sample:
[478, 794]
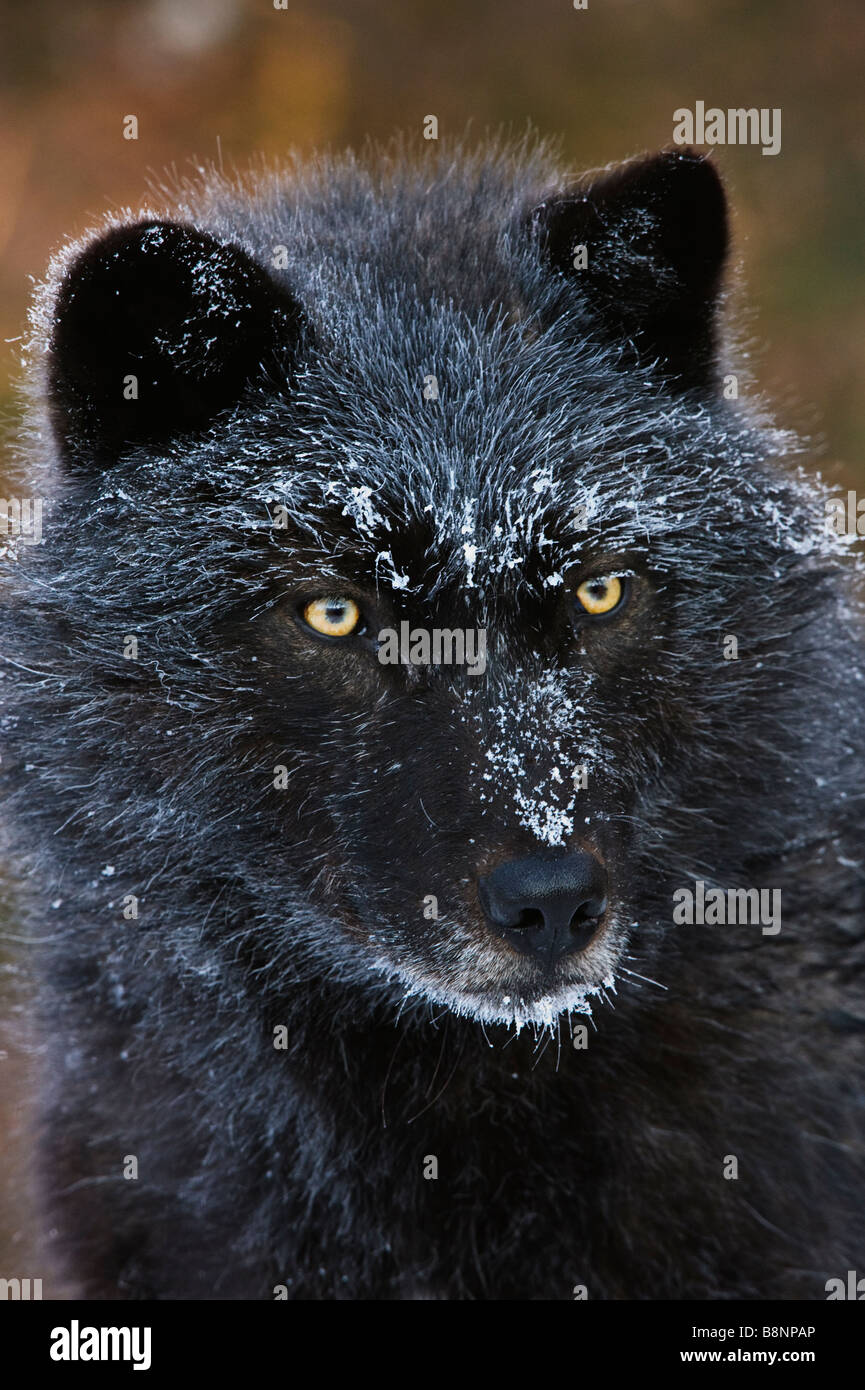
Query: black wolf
[362, 979]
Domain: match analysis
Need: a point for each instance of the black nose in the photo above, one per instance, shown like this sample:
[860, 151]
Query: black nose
[546, 907]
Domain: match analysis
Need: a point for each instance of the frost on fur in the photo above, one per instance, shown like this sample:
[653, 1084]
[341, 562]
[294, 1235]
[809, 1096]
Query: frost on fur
[230, 435]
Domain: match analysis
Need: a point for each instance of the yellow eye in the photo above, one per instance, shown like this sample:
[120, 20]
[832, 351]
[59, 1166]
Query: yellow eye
[332, 616]
[601, 594]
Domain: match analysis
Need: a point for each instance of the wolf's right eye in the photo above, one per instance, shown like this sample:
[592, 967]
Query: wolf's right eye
[601, 595]
[332, 616]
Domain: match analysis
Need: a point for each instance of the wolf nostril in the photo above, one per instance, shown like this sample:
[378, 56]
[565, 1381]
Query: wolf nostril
[584, 924]
[528, 920]
[546, 907]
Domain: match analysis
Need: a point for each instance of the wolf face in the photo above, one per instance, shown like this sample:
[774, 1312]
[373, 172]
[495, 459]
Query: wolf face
[476, 401]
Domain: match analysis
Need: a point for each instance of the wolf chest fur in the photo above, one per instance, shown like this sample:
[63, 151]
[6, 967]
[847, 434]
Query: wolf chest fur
[371, 966]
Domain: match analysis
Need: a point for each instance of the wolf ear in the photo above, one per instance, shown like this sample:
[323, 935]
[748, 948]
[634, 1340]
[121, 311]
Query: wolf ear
[654, 233]
[157, 328]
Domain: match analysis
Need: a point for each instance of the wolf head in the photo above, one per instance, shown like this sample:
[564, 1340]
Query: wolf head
[354, 408]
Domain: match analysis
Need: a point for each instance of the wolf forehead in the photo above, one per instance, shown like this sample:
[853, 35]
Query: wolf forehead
[458, 357]
[452, 312]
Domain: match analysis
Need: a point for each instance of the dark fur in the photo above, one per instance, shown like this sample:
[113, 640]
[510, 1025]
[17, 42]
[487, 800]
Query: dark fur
[304, 907]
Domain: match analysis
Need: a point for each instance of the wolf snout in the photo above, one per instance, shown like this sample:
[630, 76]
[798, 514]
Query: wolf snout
[547, 908]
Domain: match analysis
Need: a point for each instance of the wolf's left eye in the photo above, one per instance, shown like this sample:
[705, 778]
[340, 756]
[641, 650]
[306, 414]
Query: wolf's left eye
[332, 616]
[601, 595]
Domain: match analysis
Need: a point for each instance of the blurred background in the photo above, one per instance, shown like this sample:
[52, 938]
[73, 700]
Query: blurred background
[246, 78]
